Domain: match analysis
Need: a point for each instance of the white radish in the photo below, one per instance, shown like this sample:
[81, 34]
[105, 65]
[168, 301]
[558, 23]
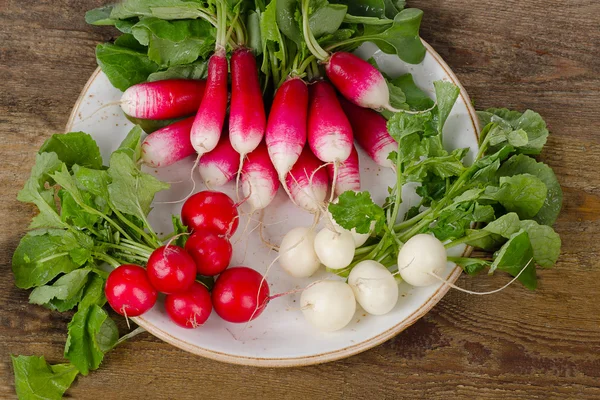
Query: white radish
[334, 249]
[328, 305]
[297, 253]
[422, 257]
[374, 287]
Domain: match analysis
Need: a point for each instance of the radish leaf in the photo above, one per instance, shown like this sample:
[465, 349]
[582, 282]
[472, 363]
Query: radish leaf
[36, 379]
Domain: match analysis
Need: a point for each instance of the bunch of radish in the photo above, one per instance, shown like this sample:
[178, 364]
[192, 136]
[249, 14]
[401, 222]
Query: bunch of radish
[240, 294]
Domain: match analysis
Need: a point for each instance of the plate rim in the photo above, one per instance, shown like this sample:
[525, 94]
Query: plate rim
[330, 355]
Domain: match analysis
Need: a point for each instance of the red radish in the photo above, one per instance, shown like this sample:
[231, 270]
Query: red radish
[171, 270]
[129, 292]
[190, 309]
[247, 112]
[220, 165]
[211, 252]
[171, 98]
[358, 81]
[286, 127]
[169, 144]
[212, 211]
[308, 182]
[208, 124]
[348, 175]
[240, 294]
[259, 178]
[370, 131]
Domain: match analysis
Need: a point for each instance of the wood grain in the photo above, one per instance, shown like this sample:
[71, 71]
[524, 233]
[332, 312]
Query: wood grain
[538, 54]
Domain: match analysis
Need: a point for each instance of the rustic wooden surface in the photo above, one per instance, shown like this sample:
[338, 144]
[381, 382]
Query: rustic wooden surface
[538, 54]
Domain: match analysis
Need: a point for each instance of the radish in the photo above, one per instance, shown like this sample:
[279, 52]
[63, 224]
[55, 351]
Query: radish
[421, 259]
[329, 132]
[286, 127]
[240, 294]
[220, 165]
[259, 179]
[297, 254]
[171, 98]
[168, 145]
[308, 182]
[190, 309]
[359, 238]
[334, 249]
[374, 287]
[370, 131]
[171, 269]
[328, 305]
[348, 174]
[129, 292]
[247, 112]
[211, 252]
[212, 211]
[359, 81]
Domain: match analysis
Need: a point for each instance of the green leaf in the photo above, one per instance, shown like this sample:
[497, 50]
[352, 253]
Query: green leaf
[35, 192]
[175, 42]
[41, 256]
[452, 223]
[124, 67]
[132, 144]
[152, 125]
[446, 94]
[130, 42]
[472, 266]
[196, 70]
[35, 379]
[131, 191]
[100, 16]
[254, 37]
[365, 8]
[506, 226]
[283, 16]
[357, 210]
[489, 242]
[91, 334]
[326, 20]
[524, 194]
[514, 256]
[415, 98]
[404, 124]
[164, 9]
[272, 40]
[65, 287]
[544, 241]
[483, 213]
[402, 38]
[179, 228]
[520, 164]
[72, 214]
[93, 293]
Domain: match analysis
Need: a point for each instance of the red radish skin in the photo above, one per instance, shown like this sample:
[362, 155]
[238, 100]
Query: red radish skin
[358, 81]
[171, 270]
[370, 132]
[211, 252]
[259, 178]
[129, 292]
[286, 127]
[190, 309]
[168, 145]
[348, 175]
[329, 132]
[210, 118]
[306, 193]
[220, 165]
[171, 98]
[240, 294]
[212, 211]
[246, 112]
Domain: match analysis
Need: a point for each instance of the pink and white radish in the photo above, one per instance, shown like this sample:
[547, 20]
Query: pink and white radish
[421, 259]
[210, 118]
[220, 165]
[370, 132]
[374, 287]
[171, 98]
[259, 179]
[328, 305]
[308, 182]
[168, 145]
[286, 127]
[247, 112]
[297, 254]
[348, 174]
[335, 249]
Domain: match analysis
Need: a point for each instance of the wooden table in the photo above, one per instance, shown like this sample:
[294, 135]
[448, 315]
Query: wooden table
[538, 54]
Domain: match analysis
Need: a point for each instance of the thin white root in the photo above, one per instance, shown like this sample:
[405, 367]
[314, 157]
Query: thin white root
[397, 110]
[237, 178]
[102, 107]
[193, 185]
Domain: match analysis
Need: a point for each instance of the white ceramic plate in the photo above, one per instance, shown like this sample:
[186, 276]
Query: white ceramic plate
[280, 336]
